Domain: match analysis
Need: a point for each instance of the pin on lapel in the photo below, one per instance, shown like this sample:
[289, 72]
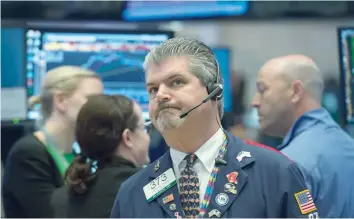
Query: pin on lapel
[232, 177]
[243, 154]
[173, 207]
[168, 198]
[177, 215]
[230, 188]
[222, 199]
[157, 166]
[214, 212]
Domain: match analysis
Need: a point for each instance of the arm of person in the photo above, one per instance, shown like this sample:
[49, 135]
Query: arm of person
[122, 202]
[324, 189]
[328, 198]
[296, 197]
[115, 212]
[124, 197]
[30, 175]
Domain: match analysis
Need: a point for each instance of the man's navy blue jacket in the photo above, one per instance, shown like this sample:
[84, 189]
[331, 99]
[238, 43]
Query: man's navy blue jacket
[269, 185]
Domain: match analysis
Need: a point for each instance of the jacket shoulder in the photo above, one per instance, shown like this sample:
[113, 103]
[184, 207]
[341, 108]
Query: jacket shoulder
[27, 146]
[138, 180]
[266, 154]
[28, 149]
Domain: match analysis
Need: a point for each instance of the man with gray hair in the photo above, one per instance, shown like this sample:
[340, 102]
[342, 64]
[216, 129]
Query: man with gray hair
[207, 172]
[288, 100]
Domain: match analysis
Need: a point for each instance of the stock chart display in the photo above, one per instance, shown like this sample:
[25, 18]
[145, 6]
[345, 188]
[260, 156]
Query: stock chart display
[346, 37]
[117, 58]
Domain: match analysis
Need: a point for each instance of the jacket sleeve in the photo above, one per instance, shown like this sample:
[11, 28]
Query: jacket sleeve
[123, 206]
[325, 189]
[296, 197]
[29, 175]
[115, 212]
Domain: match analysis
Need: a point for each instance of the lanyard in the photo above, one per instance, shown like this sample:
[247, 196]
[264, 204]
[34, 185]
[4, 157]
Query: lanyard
[209, 190]
[58, 157]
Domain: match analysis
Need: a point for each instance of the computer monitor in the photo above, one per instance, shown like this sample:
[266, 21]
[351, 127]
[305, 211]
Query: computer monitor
[117, 56]
[346, 61]
[177, 10]
[13, 91]
[223, 56]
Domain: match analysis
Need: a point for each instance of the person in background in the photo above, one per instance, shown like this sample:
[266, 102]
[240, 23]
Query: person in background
[36, 163]
[158, 145]
[206, 172]
[111, 134]
[288, 100]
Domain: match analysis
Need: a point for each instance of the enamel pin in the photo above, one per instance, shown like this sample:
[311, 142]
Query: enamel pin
[214, 212]
[232, 177]
[168, 199]
[157, 166]
[173, 207]
[177, 215]
[222, 199]
[230, 188]
[243, 154]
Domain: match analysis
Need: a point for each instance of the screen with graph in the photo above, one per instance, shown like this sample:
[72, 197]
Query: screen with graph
[116, 57]
[346, 48]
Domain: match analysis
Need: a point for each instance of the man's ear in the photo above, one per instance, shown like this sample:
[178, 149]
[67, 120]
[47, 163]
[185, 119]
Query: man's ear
[60, 101]
[126, 138]
[298, 91]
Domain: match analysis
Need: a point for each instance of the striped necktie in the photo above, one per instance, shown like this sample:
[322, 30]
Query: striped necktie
[189, 188]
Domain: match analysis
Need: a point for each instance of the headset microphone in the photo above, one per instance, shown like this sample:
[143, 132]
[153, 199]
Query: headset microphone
[215, 94]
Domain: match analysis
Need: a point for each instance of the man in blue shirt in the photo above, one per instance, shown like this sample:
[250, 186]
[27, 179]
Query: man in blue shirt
[288, 100]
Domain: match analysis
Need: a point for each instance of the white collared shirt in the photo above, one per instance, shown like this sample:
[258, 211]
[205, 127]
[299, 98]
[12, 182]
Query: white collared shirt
[205, 163]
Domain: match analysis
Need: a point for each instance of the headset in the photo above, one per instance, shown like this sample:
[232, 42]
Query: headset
[214, 89]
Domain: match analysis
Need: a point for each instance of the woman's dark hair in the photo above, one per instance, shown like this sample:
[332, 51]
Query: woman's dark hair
[99, 127]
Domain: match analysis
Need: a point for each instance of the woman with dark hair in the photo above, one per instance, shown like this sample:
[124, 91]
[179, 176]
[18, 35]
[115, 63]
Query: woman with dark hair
[114, 146]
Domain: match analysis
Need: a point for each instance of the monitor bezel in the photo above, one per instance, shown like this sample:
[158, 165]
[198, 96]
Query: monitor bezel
[22, 25]
[205, 18]
[342, 81]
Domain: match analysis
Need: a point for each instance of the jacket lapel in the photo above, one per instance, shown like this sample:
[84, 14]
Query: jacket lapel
[169, 200]
[230, 179]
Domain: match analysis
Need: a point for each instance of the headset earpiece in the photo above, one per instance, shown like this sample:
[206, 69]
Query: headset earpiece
[214, 86]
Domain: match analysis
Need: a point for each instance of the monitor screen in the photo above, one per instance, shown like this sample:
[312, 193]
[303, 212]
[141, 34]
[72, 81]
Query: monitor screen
[116, 56]
[12, 57]
[346, 60]
[13, 92]
[168, 10]
[223, 57]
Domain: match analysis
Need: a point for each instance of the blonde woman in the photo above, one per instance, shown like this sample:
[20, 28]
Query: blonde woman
[36, 163]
